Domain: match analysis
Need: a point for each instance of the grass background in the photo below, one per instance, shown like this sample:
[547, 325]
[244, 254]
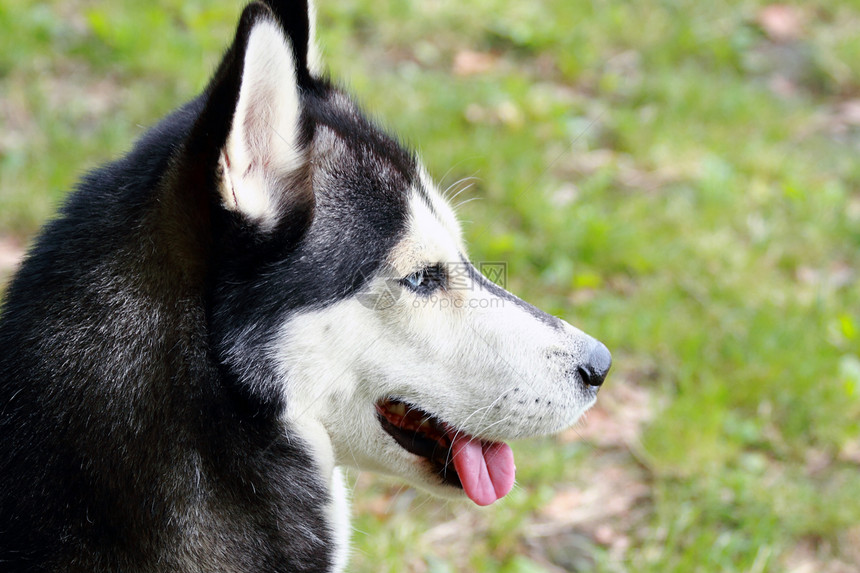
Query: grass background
[677, 177]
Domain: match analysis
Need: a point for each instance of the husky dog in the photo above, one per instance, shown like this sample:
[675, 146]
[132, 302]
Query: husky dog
[220, 319]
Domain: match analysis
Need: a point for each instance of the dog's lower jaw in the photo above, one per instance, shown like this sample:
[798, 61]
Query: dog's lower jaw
[337, 510]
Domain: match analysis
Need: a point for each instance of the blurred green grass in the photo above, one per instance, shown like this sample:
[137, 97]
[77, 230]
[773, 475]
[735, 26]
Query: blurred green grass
[677, 178]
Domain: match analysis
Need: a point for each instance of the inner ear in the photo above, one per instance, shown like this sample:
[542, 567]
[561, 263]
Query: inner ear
[264, 144]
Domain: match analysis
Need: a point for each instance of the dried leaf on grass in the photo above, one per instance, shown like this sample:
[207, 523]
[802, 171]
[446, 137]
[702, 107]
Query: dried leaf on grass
[808, 557]
[618, 418]
[11, 253]
[782, 22]
[469, 63]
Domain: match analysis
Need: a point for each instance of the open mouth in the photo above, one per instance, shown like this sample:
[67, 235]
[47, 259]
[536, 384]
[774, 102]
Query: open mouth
[483, 469]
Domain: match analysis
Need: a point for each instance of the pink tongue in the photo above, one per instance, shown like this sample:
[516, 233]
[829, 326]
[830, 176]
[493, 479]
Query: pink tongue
[486, 469]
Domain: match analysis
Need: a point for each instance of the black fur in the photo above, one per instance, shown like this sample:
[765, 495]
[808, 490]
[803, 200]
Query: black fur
[140, 426]
[294, 18]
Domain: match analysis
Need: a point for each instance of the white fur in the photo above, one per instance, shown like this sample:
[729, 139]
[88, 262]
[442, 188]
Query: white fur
[263, 143]
[339, 520]
[446, 216]
[315, 61]
[480, 362]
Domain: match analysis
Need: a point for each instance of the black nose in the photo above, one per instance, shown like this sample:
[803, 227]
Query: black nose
[595, 369]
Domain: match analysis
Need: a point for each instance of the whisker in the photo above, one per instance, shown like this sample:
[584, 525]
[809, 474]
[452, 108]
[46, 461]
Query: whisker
[461, 203]
[455, 165]
[471, 182]
[502, 421]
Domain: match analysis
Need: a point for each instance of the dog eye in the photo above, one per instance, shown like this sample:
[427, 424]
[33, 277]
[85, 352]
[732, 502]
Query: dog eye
[426, 280]
[415, 280]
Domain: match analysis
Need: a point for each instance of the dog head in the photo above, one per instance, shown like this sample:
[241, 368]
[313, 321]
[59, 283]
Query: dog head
[344, 300]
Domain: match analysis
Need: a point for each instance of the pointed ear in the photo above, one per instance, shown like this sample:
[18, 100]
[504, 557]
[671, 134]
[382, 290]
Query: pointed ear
[249, 141]
[298, 19]
[264, 145]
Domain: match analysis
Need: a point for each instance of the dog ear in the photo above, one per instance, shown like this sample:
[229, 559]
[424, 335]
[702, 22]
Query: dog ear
[264, 145]
[264, 151]
[298, 19]
[250, 139]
